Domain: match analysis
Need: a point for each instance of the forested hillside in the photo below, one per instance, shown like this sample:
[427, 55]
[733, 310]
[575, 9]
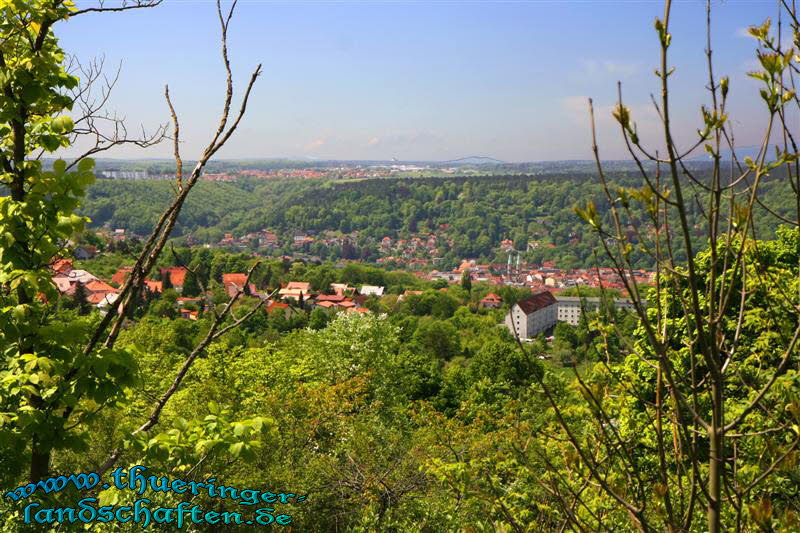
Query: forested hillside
[479, 212]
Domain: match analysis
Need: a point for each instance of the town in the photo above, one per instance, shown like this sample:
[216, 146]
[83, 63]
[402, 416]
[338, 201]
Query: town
[526, 318]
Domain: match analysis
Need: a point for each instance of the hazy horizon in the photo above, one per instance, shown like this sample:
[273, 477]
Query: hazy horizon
[415, 81]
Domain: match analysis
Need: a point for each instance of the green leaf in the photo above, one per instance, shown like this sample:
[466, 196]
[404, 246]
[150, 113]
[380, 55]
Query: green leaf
[236, 449]
[62, 124]
[86, 164]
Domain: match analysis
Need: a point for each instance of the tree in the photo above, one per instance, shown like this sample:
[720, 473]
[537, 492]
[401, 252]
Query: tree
[438, 338]
[38, 218]
[191, 285]
[502, 362]
[166, 281]
[694, 430]
[80, 297]
[318, 319]
[54, 372]
[439, 284]
[466, 280]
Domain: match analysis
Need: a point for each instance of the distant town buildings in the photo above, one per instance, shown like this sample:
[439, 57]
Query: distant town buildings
[491, 301]
[295, 290]
[235, 282]
[67, 278]
[123, 174]
[371, 290]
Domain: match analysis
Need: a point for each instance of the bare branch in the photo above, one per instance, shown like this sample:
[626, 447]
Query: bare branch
[124, 5]
[176, 140]
[106, 130]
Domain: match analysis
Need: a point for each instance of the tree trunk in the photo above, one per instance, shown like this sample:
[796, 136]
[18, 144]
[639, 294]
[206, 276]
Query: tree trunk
[715, 461]
[40, 461]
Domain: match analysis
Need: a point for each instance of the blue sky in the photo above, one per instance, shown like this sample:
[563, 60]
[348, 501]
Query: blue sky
[420, 80]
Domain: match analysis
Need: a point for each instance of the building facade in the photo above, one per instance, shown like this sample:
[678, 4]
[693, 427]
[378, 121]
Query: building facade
[533, 315]
[570, 307]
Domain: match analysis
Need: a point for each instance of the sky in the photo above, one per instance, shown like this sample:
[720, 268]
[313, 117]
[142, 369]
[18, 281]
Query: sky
[435, 80]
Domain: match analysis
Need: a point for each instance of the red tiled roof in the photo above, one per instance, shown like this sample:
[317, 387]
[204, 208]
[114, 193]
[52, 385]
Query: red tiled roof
[275, 305]
[331, 298]
[99, 286]
[237, 279]
[62, 265]
[96, 298]
[154, 286]
[121, 275]
[177, 275]
[538, 301]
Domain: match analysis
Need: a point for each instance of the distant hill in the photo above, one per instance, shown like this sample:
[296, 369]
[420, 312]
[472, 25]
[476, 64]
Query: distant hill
[475, 160]
[741, 153]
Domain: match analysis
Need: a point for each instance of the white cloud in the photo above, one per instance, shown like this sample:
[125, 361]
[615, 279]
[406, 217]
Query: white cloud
[621, 69]
[313, 145]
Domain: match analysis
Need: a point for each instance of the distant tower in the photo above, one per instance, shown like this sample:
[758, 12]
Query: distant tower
[508, 268]
[517, 262]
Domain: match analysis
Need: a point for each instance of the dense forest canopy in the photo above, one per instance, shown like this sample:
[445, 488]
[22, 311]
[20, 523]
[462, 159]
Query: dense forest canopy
[479, 212]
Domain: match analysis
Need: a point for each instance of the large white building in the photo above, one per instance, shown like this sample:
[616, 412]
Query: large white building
[533, 315]
[540, 312]
[570, 307]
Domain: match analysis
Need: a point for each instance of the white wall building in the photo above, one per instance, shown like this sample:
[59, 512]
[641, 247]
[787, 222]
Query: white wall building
[371, 290]
[533, 315]
[570, 307]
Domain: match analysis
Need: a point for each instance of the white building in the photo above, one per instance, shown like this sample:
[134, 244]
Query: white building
[570, 307]
[107, 300]
[533, 315]
[371, 290]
